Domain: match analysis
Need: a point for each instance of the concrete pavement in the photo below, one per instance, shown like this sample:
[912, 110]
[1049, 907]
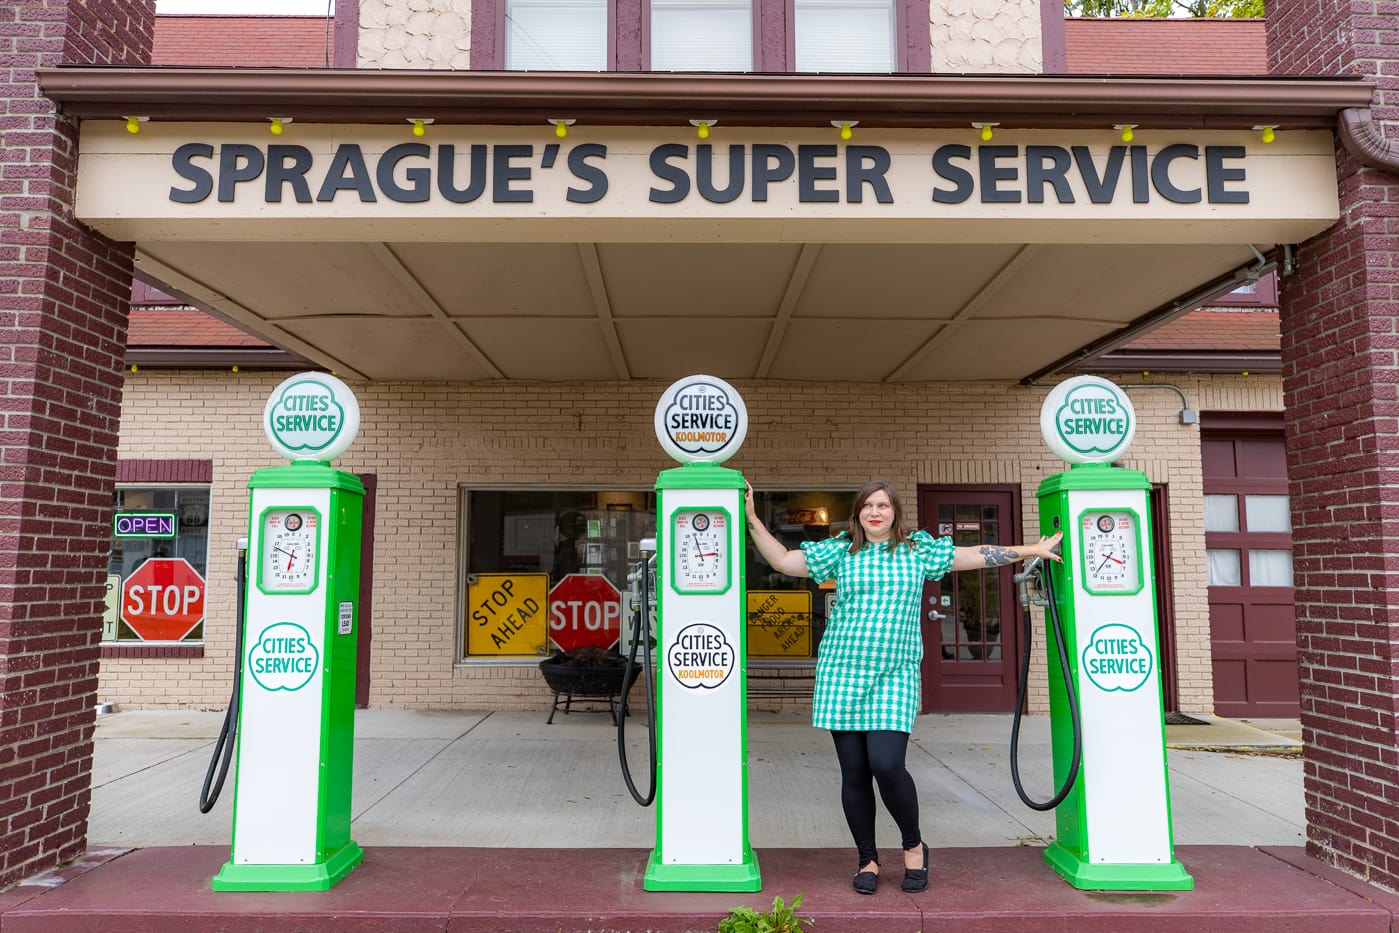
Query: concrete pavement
[508, 780]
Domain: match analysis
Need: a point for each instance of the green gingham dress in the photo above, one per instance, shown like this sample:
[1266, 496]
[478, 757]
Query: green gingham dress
[867, 667]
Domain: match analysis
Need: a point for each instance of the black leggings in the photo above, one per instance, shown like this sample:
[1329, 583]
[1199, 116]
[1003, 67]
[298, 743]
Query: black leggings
[879, 756]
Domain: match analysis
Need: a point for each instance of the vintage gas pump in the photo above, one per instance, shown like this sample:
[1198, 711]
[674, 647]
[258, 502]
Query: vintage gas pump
[1114, 827]
[702, 695]
[291, 813]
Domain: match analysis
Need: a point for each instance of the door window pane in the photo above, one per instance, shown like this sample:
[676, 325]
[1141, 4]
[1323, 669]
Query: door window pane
[1222, 513]
[1270, 567]
[556, 35]
[845, 35]
[1223, 567]
[1268, 513]
[701, 35]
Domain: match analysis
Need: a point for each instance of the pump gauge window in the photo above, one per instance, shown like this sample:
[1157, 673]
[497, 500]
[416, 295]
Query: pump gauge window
[700, 543]
[290, 545]
[1110, 552]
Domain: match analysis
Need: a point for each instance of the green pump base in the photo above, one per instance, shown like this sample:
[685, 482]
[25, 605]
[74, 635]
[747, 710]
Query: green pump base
[1087, 876]
[743, 876]
[320, 876]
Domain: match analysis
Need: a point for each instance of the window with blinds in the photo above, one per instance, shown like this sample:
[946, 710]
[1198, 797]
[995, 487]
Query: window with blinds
[556, 35]
[701, 35]
[845, 36]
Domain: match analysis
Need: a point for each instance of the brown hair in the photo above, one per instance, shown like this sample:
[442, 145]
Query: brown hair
[896, 527]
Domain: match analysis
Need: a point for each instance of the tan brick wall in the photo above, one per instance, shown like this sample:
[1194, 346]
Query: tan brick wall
[423, 441]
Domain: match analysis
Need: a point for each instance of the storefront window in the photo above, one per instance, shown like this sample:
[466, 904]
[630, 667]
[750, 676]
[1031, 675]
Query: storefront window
[162, 523]
[787, 615]
[521, 548]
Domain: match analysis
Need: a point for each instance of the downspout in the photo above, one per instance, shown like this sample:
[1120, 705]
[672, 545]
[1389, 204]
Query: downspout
[1363, 138]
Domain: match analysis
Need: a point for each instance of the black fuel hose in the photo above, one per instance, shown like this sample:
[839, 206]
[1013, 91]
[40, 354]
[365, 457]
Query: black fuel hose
[1076, 759]
[640, 632]
[223, 748]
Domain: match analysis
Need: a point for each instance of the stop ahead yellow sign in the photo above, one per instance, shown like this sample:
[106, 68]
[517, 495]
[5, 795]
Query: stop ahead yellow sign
[507, 613]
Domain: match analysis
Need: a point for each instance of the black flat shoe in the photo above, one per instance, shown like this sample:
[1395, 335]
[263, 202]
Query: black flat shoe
[866, 882]
[916, 879]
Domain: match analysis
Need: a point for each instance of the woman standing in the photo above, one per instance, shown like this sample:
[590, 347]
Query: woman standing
[867, 668]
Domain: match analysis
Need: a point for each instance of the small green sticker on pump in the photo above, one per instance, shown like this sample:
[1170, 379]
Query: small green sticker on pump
[284, 657]
[1117, 659]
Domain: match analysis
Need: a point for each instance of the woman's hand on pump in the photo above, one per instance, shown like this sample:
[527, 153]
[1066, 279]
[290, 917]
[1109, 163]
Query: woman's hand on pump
[989, 556]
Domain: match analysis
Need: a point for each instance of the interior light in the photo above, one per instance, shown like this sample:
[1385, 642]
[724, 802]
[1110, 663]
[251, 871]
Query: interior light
[702, 127]
[846, 127]
[133, 124]
[1126, 130]
[561, 126]
[985, 130]
[1269, 131]
[419, 125]
[278, 123]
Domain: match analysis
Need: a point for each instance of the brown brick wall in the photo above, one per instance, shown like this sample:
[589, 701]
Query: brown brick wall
[63, 295]
[1339, 320]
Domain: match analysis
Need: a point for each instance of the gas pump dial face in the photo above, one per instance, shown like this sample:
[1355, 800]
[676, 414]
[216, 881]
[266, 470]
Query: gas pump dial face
[290, 539]
[1111, 564]
[701, 542]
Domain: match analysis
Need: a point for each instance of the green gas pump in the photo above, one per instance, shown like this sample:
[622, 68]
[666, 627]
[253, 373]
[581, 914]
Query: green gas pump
[1114, 825]
[291, 810]
[701, 696]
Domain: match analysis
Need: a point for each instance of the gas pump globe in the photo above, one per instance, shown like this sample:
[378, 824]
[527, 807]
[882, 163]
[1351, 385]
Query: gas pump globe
[1114, 828]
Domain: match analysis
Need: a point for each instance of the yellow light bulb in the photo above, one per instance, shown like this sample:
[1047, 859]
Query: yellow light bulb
[418, 128]
[560, 130]
[133, 367]
[846, 132]
[1268, 134]
[1127, 134]
[276, 127]
[133, 125]
[235, 367]
[986, 134]
[704, 131]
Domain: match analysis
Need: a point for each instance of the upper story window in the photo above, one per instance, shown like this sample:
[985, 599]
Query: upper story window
[773, 36]
[701, 35]
[846, 35]
[556, 35]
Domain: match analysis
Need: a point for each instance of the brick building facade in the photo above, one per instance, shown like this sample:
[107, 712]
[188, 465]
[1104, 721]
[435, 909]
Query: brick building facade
[64, 299]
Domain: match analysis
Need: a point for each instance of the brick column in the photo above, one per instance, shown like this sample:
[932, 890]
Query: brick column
[63, 312]
[1340, 333]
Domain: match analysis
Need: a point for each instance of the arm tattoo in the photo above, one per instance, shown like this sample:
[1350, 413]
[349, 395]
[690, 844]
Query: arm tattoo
[997, 556]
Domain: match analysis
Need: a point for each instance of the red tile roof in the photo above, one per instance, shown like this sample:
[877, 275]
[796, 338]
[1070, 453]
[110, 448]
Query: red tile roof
[1210, 329]
[244, 41]
[1166, 46]
[184, 327]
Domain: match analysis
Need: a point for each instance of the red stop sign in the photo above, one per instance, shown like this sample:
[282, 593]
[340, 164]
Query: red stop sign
[585, 610]
[163, 599]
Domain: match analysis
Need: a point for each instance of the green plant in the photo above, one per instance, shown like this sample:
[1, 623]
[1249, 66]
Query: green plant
[781, 919]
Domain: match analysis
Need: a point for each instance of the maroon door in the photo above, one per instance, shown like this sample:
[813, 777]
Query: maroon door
[971, 620]
[1248, 551]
